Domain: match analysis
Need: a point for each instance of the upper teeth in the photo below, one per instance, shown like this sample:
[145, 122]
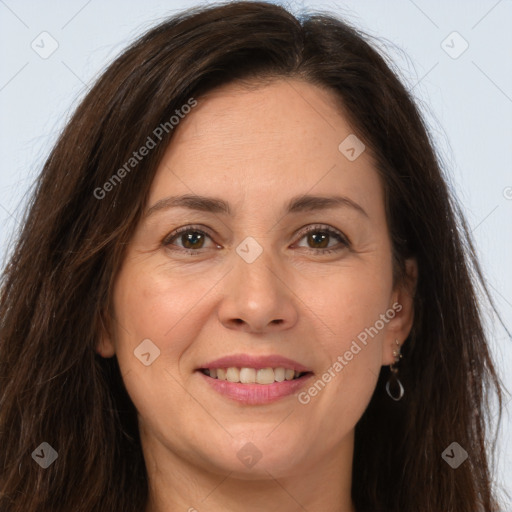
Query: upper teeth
[252, 375]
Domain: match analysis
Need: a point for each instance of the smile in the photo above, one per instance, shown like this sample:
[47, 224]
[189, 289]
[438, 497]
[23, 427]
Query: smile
[252, 375]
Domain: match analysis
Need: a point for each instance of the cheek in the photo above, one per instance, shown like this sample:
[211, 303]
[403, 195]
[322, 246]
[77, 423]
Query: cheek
[170, 311]
[342, 391]
[155, 316]
[357, 315]
[354, 302]
[151, 304]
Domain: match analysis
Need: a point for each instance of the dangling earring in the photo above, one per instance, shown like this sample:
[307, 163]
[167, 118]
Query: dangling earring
[394, 373]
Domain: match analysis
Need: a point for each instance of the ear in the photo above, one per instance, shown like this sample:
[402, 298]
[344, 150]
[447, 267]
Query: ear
[402, 304]
[104, 345]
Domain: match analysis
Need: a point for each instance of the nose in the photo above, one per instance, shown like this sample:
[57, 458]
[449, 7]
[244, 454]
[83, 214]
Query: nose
[258, 297]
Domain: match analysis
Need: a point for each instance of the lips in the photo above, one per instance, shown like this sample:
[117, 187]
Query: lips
[256, 362]
[255, 394]
[255, 380]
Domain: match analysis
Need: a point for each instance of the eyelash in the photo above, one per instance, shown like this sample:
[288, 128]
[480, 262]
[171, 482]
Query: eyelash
[311, 229]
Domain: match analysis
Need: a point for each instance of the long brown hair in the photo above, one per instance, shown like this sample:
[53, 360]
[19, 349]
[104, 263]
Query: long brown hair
[57, 287]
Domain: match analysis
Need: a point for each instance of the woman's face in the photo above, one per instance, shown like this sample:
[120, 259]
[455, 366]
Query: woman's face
[311, 283]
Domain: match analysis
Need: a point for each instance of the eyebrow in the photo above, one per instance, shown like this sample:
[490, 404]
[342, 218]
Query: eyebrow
[302, 203]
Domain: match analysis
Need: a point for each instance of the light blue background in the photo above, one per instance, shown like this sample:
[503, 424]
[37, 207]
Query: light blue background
[467, 102]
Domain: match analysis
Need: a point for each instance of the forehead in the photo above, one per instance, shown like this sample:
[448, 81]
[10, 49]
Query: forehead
[278, 138]
[235, 120]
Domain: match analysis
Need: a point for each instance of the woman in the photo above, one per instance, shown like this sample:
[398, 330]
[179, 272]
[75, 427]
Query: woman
[242, 284]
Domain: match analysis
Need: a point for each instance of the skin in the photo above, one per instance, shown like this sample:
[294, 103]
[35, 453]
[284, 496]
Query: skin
[256, 148]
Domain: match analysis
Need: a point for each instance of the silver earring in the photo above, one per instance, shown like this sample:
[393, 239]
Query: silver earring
[394, 378]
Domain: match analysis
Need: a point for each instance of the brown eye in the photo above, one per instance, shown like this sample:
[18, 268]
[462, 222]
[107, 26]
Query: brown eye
[189, 239]
[192, 240]
[319, 237]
